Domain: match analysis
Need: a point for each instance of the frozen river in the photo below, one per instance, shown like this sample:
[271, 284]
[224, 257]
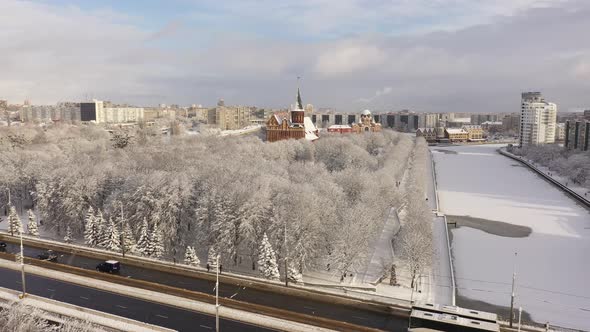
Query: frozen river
[512, 210]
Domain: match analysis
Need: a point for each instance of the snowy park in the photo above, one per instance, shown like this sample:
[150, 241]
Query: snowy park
[190, 199]
[551, 264]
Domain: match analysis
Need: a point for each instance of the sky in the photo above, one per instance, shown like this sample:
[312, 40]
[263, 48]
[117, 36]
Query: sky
[423, 55]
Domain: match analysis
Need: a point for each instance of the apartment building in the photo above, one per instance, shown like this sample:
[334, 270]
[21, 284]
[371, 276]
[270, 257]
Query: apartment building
[537, 120]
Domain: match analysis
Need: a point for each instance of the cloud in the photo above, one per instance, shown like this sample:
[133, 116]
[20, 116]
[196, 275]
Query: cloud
[342, 49]
[382, 92]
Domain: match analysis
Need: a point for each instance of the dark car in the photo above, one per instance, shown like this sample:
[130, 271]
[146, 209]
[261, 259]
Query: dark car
[109, 266]
[49, 255]
[2, 247]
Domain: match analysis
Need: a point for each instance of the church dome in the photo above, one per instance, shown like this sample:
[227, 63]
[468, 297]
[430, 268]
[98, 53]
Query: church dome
[366, 112]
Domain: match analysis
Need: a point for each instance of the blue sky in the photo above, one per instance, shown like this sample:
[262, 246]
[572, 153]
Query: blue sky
[428, 55]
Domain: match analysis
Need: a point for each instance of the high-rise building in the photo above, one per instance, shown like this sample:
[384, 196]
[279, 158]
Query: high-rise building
[537, 120]
[577, 135]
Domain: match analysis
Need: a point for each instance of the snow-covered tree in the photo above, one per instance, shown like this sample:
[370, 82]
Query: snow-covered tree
[294, 274]
[267, 260]
[128, 239]
[91, 228]
[102, 227]
[32, 228]
[14, 223]
[68, 238]
[212, 257]
[156, 245]
[190, 257]
[144, 238]
[113, 239]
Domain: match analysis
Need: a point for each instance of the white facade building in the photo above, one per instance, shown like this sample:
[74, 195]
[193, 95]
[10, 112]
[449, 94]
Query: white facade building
[537, 120]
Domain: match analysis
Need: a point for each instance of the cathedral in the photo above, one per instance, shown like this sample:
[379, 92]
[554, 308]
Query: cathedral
[367, 124]
[291, 125]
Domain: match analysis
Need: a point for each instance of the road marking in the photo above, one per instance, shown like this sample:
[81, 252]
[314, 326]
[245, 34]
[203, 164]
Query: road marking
[18, 282]
[51, 290]
[122, 307]
[207, 327]
[85, 298]
[310, 308]
[162, 316]
[359, 317]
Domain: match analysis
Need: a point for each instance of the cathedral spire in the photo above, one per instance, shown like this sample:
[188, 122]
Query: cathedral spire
[299, 103]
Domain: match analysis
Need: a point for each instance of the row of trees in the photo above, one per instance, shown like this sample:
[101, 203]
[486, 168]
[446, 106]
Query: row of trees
[413, 244]
[329, 198]
[572, 164]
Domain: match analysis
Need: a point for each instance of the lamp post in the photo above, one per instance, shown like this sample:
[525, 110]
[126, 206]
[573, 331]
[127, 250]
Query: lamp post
[217, 294]
[122, 238]
[22, 265]
[513, 294]
[286, 255]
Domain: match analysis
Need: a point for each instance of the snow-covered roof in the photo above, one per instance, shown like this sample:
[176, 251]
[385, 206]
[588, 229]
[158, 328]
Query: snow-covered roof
[112, 262]
[366, 112]
[340, 127]
[310, 129]
[456, 131]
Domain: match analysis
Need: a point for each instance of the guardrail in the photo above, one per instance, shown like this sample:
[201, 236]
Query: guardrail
[183, 270]
[197, 296]
[567, 190]
[453, 285]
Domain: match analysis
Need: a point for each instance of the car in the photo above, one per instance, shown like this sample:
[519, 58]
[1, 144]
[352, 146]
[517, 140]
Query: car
[2, 247]
[49, 255]
[109, 266]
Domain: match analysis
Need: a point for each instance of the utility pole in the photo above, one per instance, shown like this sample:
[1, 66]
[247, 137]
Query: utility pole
[519, 317]
[22, 265]
[513, 287]
[217, 295]
[286, 255]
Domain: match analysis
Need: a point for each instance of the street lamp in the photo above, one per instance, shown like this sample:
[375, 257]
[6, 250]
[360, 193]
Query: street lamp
[22, 265]
[286, 255]
[122, 238]
[217, 295]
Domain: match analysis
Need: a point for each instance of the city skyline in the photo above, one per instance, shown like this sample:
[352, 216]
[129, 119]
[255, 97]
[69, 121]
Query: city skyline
[452, 56]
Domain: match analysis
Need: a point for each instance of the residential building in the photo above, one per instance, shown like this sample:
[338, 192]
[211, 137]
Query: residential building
[478, 119]
[577, 135]
[428, 133]
[95, 111]
[62, 112]
[511, 122]
[456, 134]
[560, 132]
[342, 129]
[474, 132]
[537, 120]
[232, 117]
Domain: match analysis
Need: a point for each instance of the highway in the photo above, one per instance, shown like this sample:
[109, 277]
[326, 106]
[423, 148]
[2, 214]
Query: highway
[336, 312]
[145, 311]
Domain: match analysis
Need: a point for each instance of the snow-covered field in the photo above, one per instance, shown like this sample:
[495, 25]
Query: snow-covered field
[552, 265]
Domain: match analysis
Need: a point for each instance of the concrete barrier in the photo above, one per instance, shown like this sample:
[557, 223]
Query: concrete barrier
[567, 190]
[57, 311]
[453, 284]
[266, 285]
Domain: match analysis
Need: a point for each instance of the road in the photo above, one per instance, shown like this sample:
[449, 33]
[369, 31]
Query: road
[145, 311]
[343, 313]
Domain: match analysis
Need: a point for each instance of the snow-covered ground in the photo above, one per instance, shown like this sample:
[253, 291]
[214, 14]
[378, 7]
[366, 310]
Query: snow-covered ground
[553, 272]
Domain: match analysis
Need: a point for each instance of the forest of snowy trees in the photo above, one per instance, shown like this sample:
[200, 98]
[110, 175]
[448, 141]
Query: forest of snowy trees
[572, 164]
[192, 196]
